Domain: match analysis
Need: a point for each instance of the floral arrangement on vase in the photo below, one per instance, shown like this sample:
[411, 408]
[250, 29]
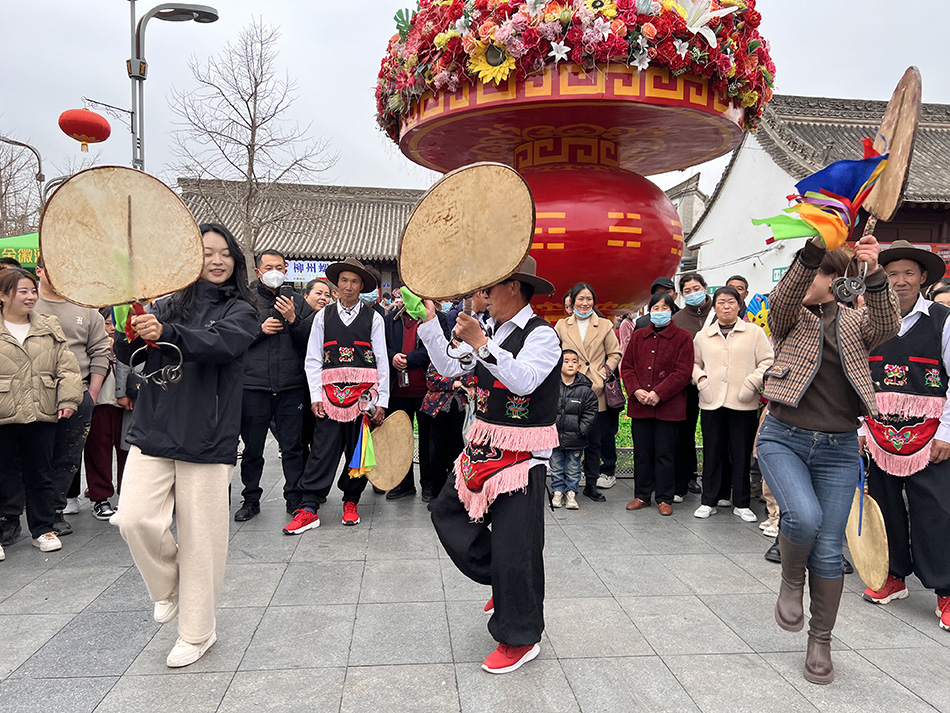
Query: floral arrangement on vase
[445, 44]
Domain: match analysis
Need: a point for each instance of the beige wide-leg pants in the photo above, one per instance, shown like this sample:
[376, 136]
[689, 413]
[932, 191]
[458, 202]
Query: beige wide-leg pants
[191, 571]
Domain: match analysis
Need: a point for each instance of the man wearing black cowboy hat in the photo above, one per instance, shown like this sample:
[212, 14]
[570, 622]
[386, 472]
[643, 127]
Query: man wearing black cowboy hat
[346, 356]
[500, 476]
[910, 441]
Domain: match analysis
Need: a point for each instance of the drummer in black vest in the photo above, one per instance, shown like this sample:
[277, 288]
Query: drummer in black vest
[346, 357]
[910, 441]
[500, 476]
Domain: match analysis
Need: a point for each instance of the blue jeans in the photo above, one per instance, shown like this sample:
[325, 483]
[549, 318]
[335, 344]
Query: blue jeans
[813, 476]
[565, 467]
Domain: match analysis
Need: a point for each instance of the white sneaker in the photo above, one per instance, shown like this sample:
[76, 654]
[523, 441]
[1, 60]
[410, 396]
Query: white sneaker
[185, 654]
[48, 542]
[724, 504]
[72, 506]
[165, 610]
[606, 481]
[704, 511]
[3, 555]
[677, 498]
[771, 531]
[746, 514]
[558, 500]
[572, 502]
[764, 524]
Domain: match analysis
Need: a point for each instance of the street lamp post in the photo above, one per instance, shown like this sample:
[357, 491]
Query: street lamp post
[137, 66]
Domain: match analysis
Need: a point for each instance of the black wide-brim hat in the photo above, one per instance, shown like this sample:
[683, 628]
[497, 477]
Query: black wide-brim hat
[528, 272]
[351, 265]
[903, 250]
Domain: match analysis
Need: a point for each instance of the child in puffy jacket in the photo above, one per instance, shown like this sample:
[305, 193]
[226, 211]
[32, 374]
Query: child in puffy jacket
[576, 413]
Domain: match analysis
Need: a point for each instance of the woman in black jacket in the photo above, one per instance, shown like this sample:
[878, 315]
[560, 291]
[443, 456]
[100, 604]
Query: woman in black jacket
[184, 443]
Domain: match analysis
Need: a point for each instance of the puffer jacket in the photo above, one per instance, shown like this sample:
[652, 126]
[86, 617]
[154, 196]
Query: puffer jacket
[39, 377]
[576, 412]
[274, 362]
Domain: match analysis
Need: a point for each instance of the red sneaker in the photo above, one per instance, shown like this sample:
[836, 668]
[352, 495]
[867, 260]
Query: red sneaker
[490, 605]
[893, 588]
[506, 659]
[351, 515]
[943, 611]
[303, 520]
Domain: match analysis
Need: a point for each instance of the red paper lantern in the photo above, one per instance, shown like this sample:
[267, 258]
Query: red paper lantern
[85, 126]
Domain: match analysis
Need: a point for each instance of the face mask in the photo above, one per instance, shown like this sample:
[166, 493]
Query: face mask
[370, 297]
[695, 299]
[446, 307]
[583, 315]
[661, 319]
[273, 279]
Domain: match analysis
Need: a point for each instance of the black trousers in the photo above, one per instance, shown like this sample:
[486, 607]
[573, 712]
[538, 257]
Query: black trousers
[609, 425]
[918, 532]
[34, 444]
[654, 453]
[285, 408]
[685, 465]
[592, 452]
[307, 424]
[509, 556]
[445, 445]
[331, 439]
[411, 406]
[71, 436]
[728, 437]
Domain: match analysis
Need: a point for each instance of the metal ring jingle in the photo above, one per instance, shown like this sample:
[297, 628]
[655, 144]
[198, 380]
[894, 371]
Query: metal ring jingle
[856, 286]
[169, 374]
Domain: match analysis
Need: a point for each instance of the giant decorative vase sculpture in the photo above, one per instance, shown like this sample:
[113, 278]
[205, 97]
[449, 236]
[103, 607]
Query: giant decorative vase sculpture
[637, 93]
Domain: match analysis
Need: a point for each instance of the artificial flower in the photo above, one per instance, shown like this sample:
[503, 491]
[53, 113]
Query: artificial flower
[442, 39]
[607, 8]
[682, 48]
[641, 61]
[698, 15]
[601, 28]
[675, 7]
[559, 52]
[491, 63]
[535, 7]
[649, 30]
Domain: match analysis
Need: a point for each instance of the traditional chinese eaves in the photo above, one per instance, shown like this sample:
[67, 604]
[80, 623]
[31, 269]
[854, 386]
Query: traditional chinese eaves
[329, 222]
[805, 134]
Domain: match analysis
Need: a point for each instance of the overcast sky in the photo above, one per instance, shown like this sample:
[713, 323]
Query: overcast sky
[54, 52]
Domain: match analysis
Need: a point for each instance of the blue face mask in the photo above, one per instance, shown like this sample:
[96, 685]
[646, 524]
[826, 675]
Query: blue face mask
[695, 299]
[583, 315]
[661, 319]
[370, 297]
[446, 307]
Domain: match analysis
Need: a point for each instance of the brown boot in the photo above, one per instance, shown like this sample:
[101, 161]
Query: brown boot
[825, 598]
[789, 612]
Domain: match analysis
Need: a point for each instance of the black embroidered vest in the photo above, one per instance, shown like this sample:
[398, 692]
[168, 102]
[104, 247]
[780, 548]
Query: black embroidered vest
[912, 364]
[348, 347]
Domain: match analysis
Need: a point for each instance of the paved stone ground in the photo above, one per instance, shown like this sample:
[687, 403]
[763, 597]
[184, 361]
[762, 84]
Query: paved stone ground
[643, 613]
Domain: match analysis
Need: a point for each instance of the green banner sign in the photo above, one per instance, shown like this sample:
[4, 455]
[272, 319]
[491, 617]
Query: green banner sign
[23, 248]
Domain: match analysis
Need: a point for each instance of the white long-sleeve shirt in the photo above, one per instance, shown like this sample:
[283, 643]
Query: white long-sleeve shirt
[521, 375]
[313, 364]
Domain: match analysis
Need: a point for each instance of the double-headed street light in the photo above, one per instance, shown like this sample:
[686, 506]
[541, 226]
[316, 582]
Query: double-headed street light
[138, 67]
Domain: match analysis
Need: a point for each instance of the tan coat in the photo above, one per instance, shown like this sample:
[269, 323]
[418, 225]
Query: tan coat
[600, 346]
[734, 366]
[38, 378]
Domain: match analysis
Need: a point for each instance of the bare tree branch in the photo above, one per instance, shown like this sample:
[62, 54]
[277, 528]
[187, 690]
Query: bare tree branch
[19, 193]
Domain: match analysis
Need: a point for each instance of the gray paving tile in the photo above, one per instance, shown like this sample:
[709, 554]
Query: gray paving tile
[667, 537]
[285, 691]
[14, 579]
[251, 546]
[729, 535]
[92, 645]
[604, 540]
[642, 575]
[301, 637]
[639, 685]
[712, 574]
[24, 634]
[251, 585]
[400, 634]
[682, 625]
[862, 625]
[320, 583]
[47, 594]
[127, 593]
[107, 548]
[923, 671]
[468, 628]
[402, 581]
[589, 514]
[388, 514]
[400, 689]
[271, 521]
[590, 628]
[568, 578]
[735, 683]
[919, 611]
[769, 573]
[407, 543]
[536, 686]
[76, 695]
[195, 693]
[234, 628]
[558, 544]
[457, 587]
[859, 685]
[323, 544]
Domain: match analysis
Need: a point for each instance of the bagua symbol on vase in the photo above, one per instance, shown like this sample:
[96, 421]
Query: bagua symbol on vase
[895, 375]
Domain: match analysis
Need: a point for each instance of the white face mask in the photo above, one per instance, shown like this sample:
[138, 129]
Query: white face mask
[273, 279]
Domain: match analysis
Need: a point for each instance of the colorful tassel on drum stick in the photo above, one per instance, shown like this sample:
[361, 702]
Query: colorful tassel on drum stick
[364, 458]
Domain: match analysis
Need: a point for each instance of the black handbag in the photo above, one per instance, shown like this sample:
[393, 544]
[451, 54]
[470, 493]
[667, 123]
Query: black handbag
[613, 392]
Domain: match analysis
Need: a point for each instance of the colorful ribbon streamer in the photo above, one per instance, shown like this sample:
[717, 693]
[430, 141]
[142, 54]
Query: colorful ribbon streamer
[364, 457]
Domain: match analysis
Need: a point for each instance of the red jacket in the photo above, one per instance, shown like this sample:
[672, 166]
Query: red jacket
[661, 362]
